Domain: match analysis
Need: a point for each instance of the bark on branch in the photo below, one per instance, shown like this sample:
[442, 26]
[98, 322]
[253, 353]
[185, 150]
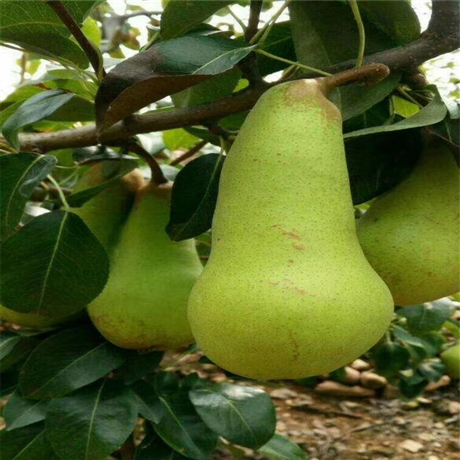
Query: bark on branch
[442, 36]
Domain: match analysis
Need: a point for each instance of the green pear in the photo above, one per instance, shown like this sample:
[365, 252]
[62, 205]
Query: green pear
[144, 302]
[104, 214]
[287, 291]
[451, 359]
[411, 235]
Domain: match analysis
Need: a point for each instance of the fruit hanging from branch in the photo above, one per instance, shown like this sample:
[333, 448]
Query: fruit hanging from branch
[287, 291]
[144, 302]
[411, 235]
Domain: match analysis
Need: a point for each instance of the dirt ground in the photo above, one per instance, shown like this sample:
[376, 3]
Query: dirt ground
[379, 427]
[339, 428]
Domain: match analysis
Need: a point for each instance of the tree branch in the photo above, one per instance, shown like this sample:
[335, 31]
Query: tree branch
[253, 22]
[189, 153]
[249, 66]
[61, 10]
[137, 124]
[442, 36]
[157, 176]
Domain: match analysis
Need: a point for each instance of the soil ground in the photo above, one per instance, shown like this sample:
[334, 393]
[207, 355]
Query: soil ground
[343, 428]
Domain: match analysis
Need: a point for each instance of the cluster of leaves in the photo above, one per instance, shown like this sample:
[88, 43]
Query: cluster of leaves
[74, 395]
[408, 356]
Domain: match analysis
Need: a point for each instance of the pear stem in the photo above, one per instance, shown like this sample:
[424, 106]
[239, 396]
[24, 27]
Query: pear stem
[158, 177]
[370, 75]
[189, 153]
[362, 33]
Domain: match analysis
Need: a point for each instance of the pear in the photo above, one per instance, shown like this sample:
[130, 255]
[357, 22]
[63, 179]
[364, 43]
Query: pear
[411, 235]
[287, 292]
[104, 214]
[143, 304]
[451, 359]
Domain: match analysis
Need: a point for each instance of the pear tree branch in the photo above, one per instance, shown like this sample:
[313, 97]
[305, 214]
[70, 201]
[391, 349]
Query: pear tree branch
[442, 36]
[61, 10]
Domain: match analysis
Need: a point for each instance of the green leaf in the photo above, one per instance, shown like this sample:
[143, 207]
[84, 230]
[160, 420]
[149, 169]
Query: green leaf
[20, 412]
[448, 130]
[404, 336]
[207, 91]
[379, 162]
[194, 197]
[356, 99]
[166, 382]
[181, 427]
[164, 69]
[394, 17]
[19, 353]
[76, 109]
[419, 347]
[282, 448]
[21, 173]
[147, 400]
[314, 29]
[412, 386]
[279, 43]
[179, 138]
[427, 317]
[27, 443]
[92, 422]
[180, 16]
[390, 358]
[153, 447]
[8, 340]
[115, 170]
[36, 108]
[138, 365]
[242, 415]
[35, 27]
[63, 266]
[67, 361]
[432, 370]
[431, 114]
[8, 382]
[403, 107]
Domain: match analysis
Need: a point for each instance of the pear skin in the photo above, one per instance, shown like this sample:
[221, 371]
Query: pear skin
[106, 213]
[143, 304]
[287, 292]
[411, 235]
[451, 359]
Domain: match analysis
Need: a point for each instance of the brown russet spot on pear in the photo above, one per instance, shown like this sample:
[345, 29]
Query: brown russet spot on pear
[143, 305]
[268, 305]
[411, 235]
